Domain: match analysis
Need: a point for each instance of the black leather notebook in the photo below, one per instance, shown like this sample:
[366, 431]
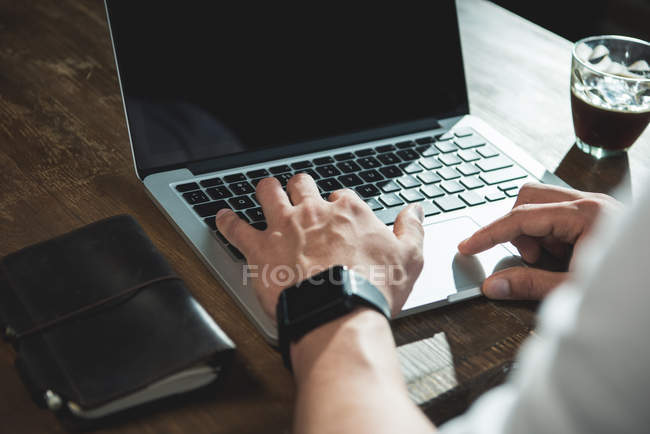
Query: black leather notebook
[101, 322]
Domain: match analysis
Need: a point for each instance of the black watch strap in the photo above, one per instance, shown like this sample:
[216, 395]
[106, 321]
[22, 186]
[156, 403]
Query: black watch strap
[320, 299]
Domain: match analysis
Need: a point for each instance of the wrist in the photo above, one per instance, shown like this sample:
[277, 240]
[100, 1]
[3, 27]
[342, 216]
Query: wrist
[339, 343]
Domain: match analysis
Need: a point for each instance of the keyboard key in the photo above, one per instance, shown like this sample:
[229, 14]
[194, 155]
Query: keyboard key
[194, 197]
[348, 167]
[388, 186]
[430, 163]
[280, 169]
[446, 136]
[305, 164]
[235, 177]
[260, 226]
[217, 193]
[411, 167]
[463, 132]
[284, 178]
[236, 253]
[367, 190]
[388, 215]
[254, 182]
[329, 184]
[241, 202]
[260, 173]
[211, 182]
[188, 186]
[309, 172]
[424, 140]
[427, 150]
[449, 159]
[323, 160]
[429, 208]
[350, 180]
[210, 208]
[432, 191]
[495, 163]
[374, 204]
[471, 183]
[408, 181]
[467, 169]
[471, 198]
[408, 155]
[449, 203]
[390, 199]
[446, 147]
[212, 224]
[429, 177]
[512, 193]
[254, 199]
[495, 195]
[388, 158]
[468, 142]
[344, 156]
[391, 171]
[365, 152]
[255, 214]
[487, 152]
[451, 186]
[385, 148]
[502, 175]
[516, 185]
[242, 216]
[448, 173]
[469, 155]
[328, 171]
[405, 144]
[219, 235]
[411, 196]
[371, 176]
[369, 162]
[241, 188]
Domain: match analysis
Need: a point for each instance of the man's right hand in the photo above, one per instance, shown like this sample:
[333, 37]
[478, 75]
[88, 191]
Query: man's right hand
[544, 217]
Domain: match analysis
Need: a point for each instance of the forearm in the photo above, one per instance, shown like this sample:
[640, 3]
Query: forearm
[349, 379]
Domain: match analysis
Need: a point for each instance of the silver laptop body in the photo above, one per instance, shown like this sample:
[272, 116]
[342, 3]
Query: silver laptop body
[447, 149]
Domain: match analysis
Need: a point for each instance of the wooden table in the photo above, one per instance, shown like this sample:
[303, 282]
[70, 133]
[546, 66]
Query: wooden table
[65, 161]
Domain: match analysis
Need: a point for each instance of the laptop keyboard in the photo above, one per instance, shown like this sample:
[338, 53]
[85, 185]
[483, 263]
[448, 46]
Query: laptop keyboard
[444, 173]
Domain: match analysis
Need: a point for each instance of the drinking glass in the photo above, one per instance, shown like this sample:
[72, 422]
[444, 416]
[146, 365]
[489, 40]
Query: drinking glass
[610, 93]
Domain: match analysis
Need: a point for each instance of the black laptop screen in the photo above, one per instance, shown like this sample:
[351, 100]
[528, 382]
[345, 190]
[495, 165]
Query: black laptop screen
[208, 80]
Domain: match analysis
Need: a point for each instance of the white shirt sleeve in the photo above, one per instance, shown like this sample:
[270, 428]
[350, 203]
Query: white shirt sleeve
[587, 367]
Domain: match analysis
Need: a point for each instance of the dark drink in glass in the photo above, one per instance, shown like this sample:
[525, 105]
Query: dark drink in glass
[610, 93]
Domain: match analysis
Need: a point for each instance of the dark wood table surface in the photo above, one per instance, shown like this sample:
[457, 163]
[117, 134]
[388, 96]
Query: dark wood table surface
[65, 162]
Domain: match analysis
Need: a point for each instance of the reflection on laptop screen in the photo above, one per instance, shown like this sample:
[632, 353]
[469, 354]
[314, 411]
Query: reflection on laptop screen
[204, 80]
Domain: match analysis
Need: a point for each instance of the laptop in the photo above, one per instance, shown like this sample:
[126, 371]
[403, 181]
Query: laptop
[372, 99]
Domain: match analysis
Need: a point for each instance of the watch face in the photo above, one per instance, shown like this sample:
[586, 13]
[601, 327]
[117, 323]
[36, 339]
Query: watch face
[318, 293]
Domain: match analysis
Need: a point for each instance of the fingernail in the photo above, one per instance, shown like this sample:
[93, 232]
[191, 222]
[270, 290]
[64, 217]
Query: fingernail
[462, 243]
[221, 212]
[497, 288]
[419, 212]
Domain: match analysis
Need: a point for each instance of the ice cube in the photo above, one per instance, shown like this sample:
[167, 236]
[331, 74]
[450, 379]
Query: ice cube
[617, 69]
[583, 51]
[600, 52]
[603, 64]
[639, 67]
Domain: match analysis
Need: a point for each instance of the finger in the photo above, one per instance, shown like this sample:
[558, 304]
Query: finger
[555, 247]
[561, 220]
[302, 186]
[522, 283]
[237, 231]
[408, 225]
[338, 194]
[544, 193]
[528, 247]
[275, 202]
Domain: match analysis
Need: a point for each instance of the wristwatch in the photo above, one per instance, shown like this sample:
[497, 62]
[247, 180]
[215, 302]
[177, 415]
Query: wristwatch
[320, 299]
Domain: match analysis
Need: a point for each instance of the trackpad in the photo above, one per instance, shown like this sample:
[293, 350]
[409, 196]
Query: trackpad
[447, 275]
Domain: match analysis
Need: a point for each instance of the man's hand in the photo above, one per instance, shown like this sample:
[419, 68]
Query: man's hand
[306, 235]
[544, 218]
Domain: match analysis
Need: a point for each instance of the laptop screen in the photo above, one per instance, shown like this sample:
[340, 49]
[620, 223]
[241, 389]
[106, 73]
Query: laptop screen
[251, 81]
